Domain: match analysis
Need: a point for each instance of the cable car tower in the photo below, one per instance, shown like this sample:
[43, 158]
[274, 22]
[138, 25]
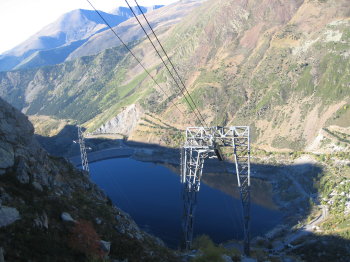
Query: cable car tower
[206, 142]
[83, 154]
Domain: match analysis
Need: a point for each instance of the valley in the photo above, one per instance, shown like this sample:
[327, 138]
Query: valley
[280, 67]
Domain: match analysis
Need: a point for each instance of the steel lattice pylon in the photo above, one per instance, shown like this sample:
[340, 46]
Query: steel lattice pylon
[84, 160]
[206, 142]
[192, 166]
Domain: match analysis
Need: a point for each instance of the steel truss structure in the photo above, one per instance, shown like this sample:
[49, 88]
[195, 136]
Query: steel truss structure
[84, 160]
[206, 142]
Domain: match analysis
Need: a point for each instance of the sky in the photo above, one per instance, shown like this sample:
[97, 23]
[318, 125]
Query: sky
[19, 19]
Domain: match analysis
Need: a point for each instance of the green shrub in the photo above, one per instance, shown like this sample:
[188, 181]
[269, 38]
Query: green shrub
[210, 251]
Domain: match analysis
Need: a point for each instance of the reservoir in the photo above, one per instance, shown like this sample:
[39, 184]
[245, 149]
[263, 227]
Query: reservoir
[151, 194]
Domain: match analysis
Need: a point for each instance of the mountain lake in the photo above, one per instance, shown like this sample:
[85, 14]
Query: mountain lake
[151, 194]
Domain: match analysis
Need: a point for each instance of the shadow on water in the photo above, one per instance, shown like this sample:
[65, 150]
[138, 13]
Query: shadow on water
[293, 188]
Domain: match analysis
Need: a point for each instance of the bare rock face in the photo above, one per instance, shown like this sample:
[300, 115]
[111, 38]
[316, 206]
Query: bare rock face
[14, 125]
[21, 154]
[124, 122]
[15, 133]
[14, 128]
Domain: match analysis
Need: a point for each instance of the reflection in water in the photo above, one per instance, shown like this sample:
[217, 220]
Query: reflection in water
[226, 181]
[151, 194]
[261, 191]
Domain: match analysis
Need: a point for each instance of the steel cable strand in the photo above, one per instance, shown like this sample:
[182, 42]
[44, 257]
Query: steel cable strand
[201, 119]
[149, 25]
[129, 50]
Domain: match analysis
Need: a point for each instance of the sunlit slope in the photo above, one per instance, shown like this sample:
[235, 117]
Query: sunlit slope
[283, 69]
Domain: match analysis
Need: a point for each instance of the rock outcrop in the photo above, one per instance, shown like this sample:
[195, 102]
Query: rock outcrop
[124, 123]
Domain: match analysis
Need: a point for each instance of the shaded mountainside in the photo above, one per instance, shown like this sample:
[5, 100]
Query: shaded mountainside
[280, 67]
[49, 211]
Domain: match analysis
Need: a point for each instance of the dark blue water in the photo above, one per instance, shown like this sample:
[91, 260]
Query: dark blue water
[151, 194]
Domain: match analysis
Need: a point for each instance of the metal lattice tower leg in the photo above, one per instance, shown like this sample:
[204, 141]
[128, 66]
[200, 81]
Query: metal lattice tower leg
[190, 201]
[242, 158]
[192, 166]
[205, 142]
[83, 154]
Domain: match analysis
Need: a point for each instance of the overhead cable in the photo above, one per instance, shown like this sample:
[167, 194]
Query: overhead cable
[171, 63]
[194, 107]
[125, 45]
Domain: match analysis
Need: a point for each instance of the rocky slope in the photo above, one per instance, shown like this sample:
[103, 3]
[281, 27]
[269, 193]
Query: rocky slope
[50, 211]
[280, 67]
[124, 123]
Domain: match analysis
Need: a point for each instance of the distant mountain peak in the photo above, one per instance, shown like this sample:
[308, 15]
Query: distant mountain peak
[125, 11]
[54, 43]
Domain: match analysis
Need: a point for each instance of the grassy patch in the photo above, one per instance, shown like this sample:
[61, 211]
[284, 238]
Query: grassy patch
[341, 117]
[305, 82]
[284, 142]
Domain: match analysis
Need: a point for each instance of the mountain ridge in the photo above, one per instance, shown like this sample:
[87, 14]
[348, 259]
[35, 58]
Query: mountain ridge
[56, 41]
[161, 20]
